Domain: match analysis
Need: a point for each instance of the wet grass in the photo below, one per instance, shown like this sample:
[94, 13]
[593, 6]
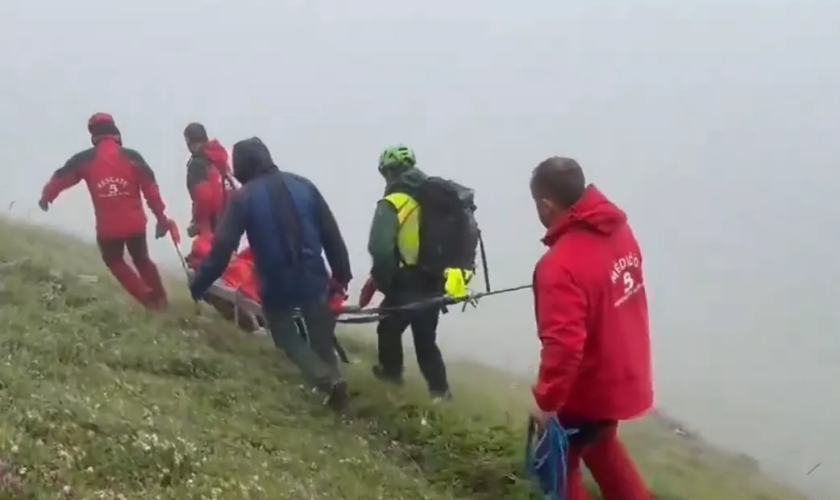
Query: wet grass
[105, 401]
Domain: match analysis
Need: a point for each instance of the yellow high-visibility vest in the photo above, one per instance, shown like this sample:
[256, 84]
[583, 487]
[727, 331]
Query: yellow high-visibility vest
[408, 239]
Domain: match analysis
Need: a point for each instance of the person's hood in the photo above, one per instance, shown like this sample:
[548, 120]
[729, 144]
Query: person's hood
[251, 159]
[412, 178]
[216, 153]
[593, 212]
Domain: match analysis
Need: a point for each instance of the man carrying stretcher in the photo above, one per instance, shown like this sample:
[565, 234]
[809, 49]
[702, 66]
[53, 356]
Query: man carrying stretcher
[289, 226]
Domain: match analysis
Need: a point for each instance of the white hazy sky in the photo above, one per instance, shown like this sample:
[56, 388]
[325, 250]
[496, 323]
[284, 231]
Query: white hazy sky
[714, 124]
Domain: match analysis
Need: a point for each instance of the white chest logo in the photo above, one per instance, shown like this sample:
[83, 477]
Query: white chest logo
[112, 187]
[626, 272]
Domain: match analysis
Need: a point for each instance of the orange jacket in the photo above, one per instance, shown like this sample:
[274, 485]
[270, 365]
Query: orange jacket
[239, 274]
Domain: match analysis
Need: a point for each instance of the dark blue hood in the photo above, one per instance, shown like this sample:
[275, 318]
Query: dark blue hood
[251, 159]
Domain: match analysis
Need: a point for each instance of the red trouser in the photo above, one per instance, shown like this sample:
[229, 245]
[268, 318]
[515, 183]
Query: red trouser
[147, 287]
[600, 449]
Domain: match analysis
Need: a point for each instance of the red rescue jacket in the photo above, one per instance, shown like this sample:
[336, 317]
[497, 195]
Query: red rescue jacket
[218, 156]
[592, 315]
[209, 180]
[115, 177]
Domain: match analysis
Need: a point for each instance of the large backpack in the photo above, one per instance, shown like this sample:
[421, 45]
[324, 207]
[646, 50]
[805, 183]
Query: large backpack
[449, 233]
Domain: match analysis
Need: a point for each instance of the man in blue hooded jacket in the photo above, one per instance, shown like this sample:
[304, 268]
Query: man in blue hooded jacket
[289, 225]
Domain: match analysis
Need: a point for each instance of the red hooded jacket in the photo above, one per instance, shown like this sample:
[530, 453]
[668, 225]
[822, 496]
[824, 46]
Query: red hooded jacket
[592, 316]
[209, 179]
[115, 177]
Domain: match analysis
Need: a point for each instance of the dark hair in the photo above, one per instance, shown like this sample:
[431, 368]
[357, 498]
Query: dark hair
[103, 128]
[195, 132]
[560, 180]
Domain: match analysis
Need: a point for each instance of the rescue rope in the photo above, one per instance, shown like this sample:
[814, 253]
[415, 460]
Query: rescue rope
[546, 457]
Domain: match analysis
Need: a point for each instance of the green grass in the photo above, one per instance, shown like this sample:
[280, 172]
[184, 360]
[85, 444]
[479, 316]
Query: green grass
[106, 401]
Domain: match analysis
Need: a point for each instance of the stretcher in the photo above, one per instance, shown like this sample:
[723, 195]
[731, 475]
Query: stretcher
[248, 313]
[235, 295]
[241, 303]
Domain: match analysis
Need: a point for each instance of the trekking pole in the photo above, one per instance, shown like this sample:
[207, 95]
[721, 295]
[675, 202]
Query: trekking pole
[175, 237]
[484, 262]
[358, 315]
[183, 262]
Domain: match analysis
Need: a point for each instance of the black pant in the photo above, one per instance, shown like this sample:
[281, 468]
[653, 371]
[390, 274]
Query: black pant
[423, 324]
[314, 356]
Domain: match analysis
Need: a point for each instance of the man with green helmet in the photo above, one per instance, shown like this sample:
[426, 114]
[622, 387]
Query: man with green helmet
[394, 246]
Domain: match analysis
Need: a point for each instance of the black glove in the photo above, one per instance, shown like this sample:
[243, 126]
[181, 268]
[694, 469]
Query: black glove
[162, 228]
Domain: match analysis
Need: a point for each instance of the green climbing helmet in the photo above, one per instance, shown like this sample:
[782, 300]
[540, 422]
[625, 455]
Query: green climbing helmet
[394, 156]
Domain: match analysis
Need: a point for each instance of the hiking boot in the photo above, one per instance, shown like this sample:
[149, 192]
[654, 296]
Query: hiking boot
[382, 376]
[441, 397]
[337, 396]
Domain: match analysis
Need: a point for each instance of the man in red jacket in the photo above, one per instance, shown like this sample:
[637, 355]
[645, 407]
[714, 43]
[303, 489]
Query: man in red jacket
[116, 177]
[209, 178]
[592, 316]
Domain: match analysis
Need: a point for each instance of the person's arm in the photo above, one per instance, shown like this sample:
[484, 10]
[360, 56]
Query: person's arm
[561, 321]
[148, 185]
[65, 177]
[382, 243]
[333, 242]
[226, 241]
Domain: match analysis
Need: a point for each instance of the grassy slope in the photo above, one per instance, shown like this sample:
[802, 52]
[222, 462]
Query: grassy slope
[107, 401]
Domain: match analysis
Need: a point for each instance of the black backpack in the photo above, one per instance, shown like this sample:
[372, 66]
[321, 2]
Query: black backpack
[449, 233]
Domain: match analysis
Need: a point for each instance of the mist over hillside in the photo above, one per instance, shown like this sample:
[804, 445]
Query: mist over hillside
[712, 124]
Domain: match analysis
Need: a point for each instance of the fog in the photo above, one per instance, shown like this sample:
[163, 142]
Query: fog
[713, 124]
